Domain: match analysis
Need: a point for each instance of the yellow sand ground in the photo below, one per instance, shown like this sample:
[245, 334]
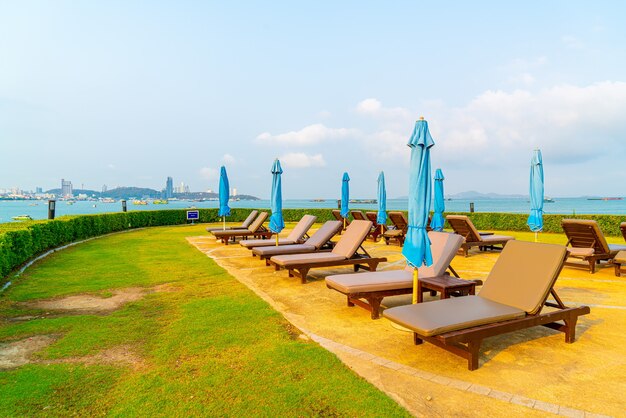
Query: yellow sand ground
[527, 373]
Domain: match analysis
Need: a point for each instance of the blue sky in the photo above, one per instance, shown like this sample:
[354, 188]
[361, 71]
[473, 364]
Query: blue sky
[126, 93]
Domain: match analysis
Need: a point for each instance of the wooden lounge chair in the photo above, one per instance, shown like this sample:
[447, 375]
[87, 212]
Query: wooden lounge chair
[244, 225]
[622, 227]
[373, 218]
[374, 286]
[343, 254]
[463, 226]
[586, 241]
[256, 230]
[511, 299]
[320, 240]
[297, 235]
[398, 231]
[358, 215]
[337, 214]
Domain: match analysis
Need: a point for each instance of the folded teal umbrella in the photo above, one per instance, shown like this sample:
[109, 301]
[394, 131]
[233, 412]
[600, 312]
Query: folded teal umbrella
[345, 197]
[224, 210]
[416, 248]
[535, 220]
[277, 223]
[381, 218]
[436, 223]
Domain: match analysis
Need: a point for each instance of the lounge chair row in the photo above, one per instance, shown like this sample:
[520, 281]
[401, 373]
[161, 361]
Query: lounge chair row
[512, 298]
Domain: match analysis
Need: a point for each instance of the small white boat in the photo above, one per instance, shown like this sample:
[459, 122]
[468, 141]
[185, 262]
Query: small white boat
[22, 218]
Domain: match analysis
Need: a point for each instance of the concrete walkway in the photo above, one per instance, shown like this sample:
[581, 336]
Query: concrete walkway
[526, 373]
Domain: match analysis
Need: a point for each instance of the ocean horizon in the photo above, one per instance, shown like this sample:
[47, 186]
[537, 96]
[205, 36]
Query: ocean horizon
[562, 206]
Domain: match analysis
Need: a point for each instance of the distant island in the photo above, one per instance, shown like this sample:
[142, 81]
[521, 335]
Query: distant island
[146, 193]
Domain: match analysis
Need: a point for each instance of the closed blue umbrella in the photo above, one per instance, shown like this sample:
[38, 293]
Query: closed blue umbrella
[381, 219]
[535, 220]
[224, 192]
[416, 248]
[436, 223]
[345, 197]
[277, 223]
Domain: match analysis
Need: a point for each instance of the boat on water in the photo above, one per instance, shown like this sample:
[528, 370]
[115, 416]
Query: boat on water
[107, 200]
[605, 198]
[160, 202]
[139, 202]
[318, 200]
[548, 200]
[22, 218]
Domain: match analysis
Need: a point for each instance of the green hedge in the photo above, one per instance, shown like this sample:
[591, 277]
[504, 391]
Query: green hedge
[21, 242]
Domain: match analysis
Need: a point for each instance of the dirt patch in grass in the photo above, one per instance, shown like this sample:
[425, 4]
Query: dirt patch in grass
[18, 353]
[90, 304]
[120, 355]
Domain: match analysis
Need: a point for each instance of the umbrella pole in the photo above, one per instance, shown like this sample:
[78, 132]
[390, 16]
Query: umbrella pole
[415, 285]
[344, 223]
[536, 236]
[277, 240]
[224, 223]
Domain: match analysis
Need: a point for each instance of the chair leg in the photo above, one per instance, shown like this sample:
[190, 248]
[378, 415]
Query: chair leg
[473, 351]
[570, 329]
[417, 340]
[350, 303]
[618, 273]
[303, 273]
[375, 305]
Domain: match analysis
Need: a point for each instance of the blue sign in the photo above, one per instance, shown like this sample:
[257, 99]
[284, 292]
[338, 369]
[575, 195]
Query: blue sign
[193, 215]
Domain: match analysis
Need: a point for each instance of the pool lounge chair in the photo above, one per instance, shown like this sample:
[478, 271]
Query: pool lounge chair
[337, 214]
[319, 241]
[256, 230]
[511, 299]
[244, 225]
[463, 226]
[622, 227]
[398, 231]
[359, 216]
[346, 252]
[374, 286]
[373, 218]
[296, 236]
[586, 241]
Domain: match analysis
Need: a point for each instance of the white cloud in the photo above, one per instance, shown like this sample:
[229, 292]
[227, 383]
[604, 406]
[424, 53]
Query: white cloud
[309, 135]
[373, 107]
[209, 173]
[571, 124]
[228, 159]
[302, 160]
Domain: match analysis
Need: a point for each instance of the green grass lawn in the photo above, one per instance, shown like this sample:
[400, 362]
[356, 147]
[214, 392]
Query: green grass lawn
[209, 346]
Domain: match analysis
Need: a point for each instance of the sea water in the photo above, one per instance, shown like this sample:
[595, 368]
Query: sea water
[565, 206]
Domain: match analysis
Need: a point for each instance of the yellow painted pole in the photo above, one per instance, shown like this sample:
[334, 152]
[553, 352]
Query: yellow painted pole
[535, 236]
[224, 222]
[415, 285]
[277, 240]
[344, 223]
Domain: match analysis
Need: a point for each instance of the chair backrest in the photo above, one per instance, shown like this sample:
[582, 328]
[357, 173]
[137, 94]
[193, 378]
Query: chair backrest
[372, 217]
[324, 233]
[250, 218]
[443, 246]
[622, 228]
[585, 233]
[399, 220]
[463, 226]
[337, 214]
[301, 228]
[352, 238]
[254, 226]
[524, 274]
[358, 215]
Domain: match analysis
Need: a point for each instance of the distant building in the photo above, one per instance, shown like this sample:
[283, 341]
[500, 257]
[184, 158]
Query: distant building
[104, 188]
[169, 188]
[66, 188]
[38, 190]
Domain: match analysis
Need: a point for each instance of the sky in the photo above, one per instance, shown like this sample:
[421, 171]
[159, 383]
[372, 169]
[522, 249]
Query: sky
[126, 93]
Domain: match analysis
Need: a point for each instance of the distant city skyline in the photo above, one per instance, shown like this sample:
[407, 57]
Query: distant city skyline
[179, 89]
